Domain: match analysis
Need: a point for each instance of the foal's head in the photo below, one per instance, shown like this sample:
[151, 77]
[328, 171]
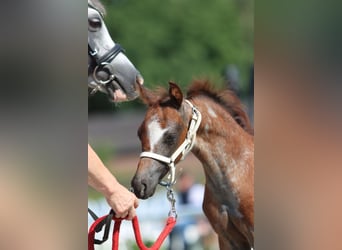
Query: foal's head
[162, 131]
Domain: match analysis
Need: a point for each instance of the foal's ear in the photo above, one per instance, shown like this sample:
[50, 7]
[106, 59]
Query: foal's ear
[175, 94]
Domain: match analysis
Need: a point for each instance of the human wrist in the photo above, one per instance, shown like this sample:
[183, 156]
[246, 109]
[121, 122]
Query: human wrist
[111, 188]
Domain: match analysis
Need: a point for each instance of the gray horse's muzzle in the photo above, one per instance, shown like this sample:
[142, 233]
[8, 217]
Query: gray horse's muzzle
[114, 74]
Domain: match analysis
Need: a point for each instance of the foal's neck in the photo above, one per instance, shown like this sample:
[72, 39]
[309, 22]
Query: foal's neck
[225, 149]
[226, 152]
[219, 134]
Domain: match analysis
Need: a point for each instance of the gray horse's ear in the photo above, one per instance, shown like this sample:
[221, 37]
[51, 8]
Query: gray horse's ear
[175, 94]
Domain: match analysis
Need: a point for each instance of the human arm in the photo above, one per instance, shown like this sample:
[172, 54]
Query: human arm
[101, 179]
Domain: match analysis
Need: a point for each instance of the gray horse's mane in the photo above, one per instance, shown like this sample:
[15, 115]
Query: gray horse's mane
[98, 5]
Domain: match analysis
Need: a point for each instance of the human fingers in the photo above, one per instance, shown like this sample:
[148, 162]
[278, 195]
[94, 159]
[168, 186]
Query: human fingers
[131, 213]
[136, 202]
[121, 215]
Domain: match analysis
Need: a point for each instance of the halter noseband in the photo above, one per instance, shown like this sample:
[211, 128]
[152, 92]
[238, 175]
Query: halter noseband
[183, 149]
[102, 61]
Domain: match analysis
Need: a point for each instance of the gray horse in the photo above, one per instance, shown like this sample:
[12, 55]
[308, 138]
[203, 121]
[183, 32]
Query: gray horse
[109, 70]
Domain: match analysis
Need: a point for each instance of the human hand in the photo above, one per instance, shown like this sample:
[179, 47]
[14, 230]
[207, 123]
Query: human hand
[123, 202]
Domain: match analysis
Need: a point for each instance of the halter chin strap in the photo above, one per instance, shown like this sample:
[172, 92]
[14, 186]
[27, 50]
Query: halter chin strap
[183, 149]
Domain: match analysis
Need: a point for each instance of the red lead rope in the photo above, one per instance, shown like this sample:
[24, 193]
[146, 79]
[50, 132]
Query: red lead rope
[170, 223]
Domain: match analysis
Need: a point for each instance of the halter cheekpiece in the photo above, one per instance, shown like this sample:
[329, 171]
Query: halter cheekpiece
[183, 149]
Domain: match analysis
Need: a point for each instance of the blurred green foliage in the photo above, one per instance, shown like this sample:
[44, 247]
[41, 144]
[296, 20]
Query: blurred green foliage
[182, 40]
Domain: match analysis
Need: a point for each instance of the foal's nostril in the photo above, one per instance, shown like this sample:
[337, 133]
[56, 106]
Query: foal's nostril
[141, 193]
[138, 186]
[144, 186]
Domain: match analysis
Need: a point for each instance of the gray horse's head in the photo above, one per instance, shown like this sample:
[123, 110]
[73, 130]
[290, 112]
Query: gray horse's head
[109, 70]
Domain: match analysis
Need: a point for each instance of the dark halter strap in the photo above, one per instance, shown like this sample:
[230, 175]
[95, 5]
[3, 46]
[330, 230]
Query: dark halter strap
[108, 57]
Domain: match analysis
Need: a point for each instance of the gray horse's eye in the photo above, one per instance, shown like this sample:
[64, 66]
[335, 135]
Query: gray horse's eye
[94, 23]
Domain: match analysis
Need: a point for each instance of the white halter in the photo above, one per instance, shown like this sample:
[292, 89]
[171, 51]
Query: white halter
[183, 149]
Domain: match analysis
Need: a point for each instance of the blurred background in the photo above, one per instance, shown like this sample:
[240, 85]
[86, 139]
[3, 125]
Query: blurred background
[179, 41]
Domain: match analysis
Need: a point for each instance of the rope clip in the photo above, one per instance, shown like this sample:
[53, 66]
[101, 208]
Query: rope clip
[171, 197]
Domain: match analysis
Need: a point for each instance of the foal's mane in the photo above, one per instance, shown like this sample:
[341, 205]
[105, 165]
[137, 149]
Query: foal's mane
[226, 98]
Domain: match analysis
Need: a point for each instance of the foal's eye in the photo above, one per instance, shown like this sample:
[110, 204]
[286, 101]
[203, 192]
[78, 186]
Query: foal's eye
[94, 23]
